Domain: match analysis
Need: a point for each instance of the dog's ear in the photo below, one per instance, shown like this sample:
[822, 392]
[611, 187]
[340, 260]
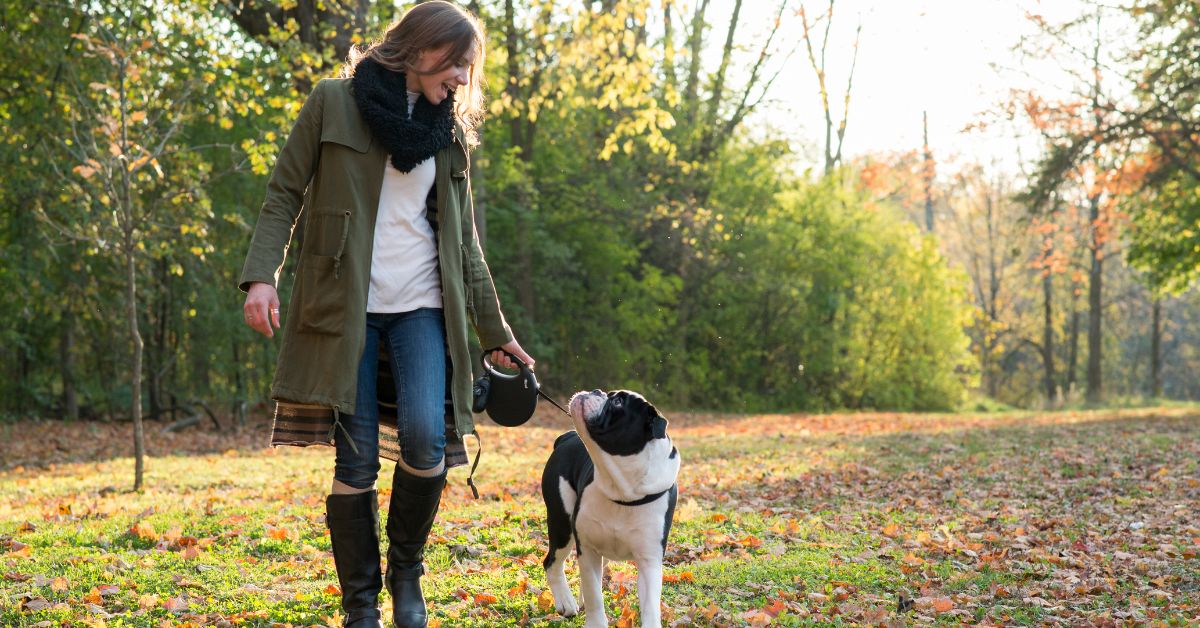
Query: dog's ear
[658, 425]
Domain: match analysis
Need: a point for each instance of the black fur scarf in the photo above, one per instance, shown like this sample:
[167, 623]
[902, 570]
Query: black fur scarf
[382, 100]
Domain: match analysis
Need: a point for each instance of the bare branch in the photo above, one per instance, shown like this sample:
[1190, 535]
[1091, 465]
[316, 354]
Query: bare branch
[841, 132]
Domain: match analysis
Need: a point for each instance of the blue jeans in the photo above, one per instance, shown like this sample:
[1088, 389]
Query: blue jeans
[417, 344]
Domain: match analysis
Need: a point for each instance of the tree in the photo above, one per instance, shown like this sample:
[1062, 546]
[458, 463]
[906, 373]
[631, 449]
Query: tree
[987, 233]
[1150, 110]
[313, 36]
[1100, 171]
[833, 152]
[139, 183]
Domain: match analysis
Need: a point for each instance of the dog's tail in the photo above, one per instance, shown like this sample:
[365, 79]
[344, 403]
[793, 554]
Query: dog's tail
[565, 437]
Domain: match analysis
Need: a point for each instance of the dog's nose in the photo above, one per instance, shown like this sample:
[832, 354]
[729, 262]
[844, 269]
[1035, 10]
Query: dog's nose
[597, 392]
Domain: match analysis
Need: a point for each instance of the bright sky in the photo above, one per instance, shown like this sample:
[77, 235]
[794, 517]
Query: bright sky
[938, 56]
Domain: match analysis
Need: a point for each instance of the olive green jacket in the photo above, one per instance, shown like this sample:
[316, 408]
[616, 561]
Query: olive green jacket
[332, 169]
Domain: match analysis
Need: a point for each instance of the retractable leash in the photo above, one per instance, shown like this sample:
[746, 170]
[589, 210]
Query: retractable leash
[508, 399]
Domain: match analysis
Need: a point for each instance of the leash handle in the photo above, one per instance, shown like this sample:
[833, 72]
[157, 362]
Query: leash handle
[486, 361]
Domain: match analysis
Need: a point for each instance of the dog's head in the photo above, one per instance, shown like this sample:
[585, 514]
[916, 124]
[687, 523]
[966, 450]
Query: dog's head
[621, 423]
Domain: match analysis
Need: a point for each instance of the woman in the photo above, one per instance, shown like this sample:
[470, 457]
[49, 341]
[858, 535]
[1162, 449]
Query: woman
[390, 261]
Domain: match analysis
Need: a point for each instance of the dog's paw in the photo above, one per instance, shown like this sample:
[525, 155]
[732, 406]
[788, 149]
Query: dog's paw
[566, 607]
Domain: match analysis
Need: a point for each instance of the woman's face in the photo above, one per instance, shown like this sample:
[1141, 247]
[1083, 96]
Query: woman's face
[437, 86]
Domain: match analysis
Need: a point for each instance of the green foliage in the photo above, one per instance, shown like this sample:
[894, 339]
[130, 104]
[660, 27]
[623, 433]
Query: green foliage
[183, 120]
[835, 304]
[635, 243]
[1166, 234]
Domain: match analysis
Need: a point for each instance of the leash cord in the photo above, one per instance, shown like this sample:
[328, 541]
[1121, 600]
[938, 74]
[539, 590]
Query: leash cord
[556, 405]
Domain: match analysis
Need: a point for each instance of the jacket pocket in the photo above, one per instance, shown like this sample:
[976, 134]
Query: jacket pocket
[322, 296]
[327, 232]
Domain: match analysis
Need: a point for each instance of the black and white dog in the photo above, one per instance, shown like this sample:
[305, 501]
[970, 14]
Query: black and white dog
[610, 485]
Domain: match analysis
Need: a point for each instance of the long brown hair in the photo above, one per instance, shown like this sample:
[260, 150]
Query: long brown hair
[428, 25]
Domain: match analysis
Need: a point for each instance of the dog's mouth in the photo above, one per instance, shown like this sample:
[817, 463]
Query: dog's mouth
[586, 406]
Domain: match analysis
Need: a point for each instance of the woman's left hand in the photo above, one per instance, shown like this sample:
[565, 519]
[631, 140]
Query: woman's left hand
[500, 359]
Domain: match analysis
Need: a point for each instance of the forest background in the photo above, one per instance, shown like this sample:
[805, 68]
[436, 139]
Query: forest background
[642, 231]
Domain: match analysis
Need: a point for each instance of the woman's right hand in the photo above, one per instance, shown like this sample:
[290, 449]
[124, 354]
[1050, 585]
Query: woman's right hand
[262, 308]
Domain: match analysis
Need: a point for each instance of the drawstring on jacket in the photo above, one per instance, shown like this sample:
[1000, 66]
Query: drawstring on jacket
[478, 452]
[337, 422]
[337, 259]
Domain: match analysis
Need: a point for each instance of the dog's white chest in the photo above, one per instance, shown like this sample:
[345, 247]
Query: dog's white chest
[620, 532]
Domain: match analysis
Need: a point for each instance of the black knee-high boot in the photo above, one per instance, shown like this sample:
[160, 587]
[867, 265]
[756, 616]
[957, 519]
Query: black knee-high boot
[353, 522]
[414, 504]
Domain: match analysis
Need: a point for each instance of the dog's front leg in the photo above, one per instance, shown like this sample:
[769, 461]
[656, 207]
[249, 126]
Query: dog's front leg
[555, 562]
[591, 575]
[649, 575]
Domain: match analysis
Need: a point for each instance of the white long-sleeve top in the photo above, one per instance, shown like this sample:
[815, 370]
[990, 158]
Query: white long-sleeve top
[404, 261]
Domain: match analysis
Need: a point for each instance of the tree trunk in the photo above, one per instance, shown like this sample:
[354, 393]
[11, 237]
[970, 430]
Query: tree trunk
[157, 350]
[993, 311]
[1095, 312]
[239, 386]
[128, 217]
[1156, 385]
[927, 175]
[522, 137]
[1096, 274]
[668, 45]
[135, 337]
[67, 362]
[1073, 349]
[714, 100]
[695, 48]
[1048, 335]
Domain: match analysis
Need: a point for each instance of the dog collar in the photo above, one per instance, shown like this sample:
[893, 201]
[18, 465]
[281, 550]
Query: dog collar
[643, 501]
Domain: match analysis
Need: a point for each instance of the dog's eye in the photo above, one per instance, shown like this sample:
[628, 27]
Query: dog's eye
[616, 402]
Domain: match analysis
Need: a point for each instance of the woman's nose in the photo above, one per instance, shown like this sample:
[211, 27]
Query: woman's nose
[462, 77]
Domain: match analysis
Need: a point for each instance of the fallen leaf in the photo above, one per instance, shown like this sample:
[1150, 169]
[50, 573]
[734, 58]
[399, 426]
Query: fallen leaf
[144, 531]
[93, 597]
[775, 607]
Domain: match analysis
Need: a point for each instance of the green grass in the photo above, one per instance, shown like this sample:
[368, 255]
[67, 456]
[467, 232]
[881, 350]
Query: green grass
[1021, 518]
